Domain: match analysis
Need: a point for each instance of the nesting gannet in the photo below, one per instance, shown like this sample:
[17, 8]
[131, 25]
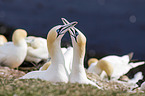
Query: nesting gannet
[78, 74]
[92, 62]
[37, 49]
[2, 40]
[12, 54]
[115, 66]
[56, 72]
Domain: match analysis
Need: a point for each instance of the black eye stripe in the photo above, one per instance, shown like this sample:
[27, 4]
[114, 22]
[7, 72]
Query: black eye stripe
[58, 30]
[76, 33]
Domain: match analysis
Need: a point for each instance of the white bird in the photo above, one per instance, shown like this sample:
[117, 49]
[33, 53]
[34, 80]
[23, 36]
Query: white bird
[78, 74]
[12, 54]
[3, 40]
[56, 72]
[68, 57]
[92, 62]
[37, 49]
[115, 66]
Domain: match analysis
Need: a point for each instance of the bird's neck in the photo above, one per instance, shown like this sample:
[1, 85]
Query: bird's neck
[78, 62]
[55, 53]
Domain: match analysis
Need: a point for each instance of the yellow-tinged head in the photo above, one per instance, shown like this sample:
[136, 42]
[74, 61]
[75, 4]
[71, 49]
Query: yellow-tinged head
[80, 37]
[18, 35]
[80, 40]
[58, 31]
[2, 40]
[106, 66]
[92, 60]
[45, 66]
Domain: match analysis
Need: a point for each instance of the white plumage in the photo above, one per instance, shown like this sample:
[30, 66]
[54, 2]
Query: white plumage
[78, 74]
[37, 49]
[56, 72]
[12, 54]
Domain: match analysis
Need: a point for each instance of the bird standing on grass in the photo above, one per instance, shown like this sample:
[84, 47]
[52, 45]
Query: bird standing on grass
[78, 74]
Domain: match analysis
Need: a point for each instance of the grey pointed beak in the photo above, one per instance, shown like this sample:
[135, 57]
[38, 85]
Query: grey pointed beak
[66, 27]
[71, 30]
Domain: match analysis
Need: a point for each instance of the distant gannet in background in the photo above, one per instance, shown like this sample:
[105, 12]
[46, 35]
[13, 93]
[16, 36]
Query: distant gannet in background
[78, 74]
[92, 62]
[2, 40]
[12, 54]
[115, 66]
[37, 49]
[56, 72]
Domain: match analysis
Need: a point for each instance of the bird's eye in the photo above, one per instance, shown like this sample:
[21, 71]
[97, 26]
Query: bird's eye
[75, 36]
[58, 30]
[76, 33]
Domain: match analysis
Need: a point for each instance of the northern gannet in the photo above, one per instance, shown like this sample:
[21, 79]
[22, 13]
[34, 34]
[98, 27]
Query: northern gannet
[56, 72]
[37, 49]
[12, 54]
[3, 40]
[115, 66]
[78, 74]
[68, 57]
[92, 60]
[92, 63]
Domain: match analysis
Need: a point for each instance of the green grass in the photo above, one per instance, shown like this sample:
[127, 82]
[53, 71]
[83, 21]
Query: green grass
[37, 87]
[11, 86]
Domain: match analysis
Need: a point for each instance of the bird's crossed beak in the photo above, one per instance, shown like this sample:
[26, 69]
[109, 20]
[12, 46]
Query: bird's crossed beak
[71, 30]
[64, 28]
